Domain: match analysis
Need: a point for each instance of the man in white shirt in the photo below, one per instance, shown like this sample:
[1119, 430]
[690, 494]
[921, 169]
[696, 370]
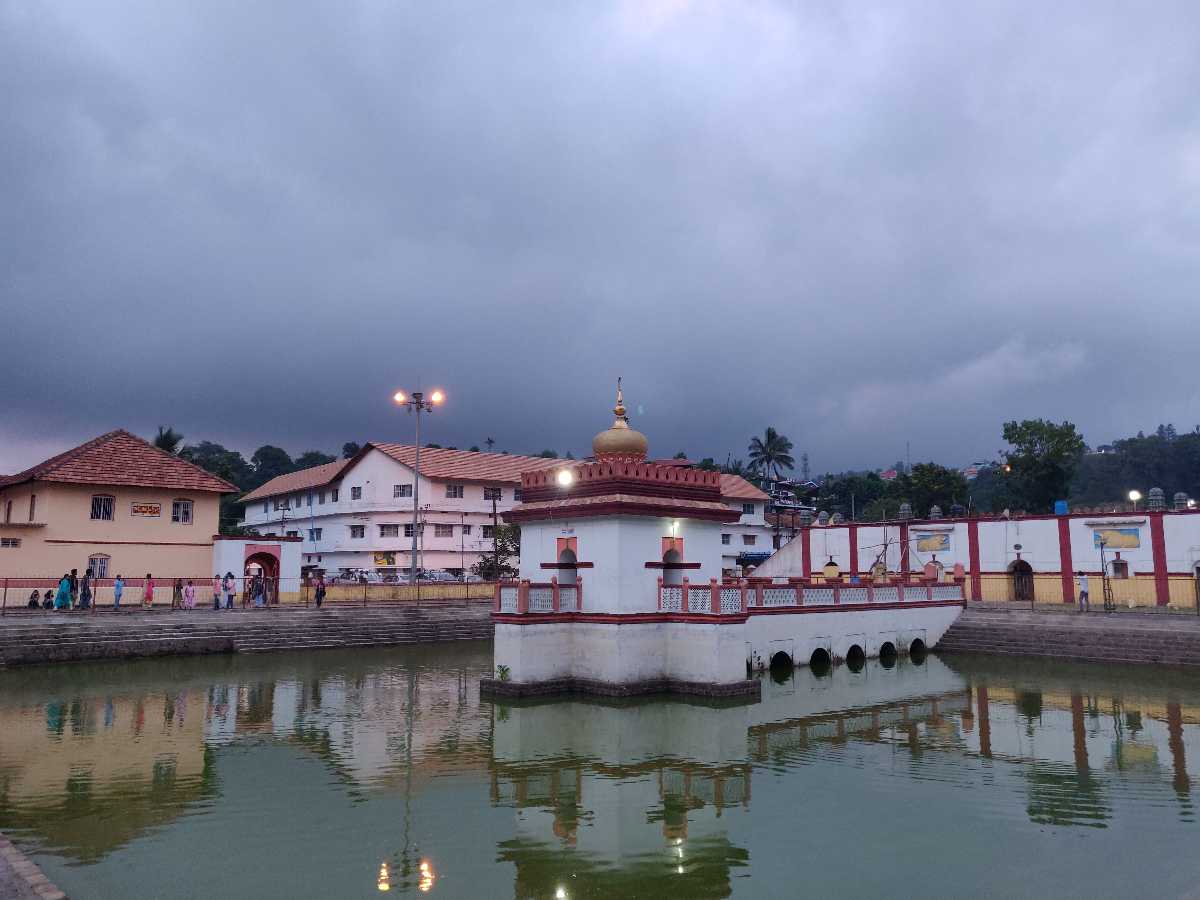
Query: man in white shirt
[1083, 592]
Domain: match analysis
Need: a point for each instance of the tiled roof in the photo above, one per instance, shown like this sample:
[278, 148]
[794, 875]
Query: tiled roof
[120, 458]
[736, 487]
[436, 463]
[317, 476]
[468, 465]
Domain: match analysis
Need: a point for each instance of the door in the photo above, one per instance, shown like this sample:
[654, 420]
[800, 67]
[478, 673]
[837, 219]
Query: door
[1022, 581]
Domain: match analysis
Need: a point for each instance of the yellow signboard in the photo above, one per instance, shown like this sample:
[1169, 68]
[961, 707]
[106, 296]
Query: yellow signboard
[385, 559]
[1118, 538]
[933, 542]
[147, 510]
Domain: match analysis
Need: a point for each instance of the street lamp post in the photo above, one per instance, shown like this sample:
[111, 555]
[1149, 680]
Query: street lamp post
[1134, 497]
[417, 403]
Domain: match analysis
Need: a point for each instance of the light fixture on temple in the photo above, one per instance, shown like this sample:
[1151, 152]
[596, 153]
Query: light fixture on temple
[565, 477]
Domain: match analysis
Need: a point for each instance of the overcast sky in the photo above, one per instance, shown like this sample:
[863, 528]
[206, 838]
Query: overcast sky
[862, 223]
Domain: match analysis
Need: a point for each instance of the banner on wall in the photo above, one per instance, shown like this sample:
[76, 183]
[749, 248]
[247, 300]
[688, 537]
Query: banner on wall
[932, 542]
[385, 559]
[1118, 538]
[145, 509]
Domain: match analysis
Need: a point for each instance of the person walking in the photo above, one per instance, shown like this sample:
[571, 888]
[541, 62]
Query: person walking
[216, 586]
[177, 594]
[62, 600]
[85, 590]
[320, 591]
[1083, 592]
[259, 598]
[118, 590]
[74, 576]
[189, 596]
[148, 591]
[230, 590]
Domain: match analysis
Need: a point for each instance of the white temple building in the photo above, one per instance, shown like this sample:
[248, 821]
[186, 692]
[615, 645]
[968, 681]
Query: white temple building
[621, 592]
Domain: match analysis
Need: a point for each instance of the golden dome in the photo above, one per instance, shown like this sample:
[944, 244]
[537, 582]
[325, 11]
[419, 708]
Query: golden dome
[620, 441]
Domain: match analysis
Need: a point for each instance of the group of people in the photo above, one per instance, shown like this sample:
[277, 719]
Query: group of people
[73, 592]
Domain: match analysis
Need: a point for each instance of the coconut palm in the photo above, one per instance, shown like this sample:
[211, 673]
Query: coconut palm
[168, 439]
[770, 454]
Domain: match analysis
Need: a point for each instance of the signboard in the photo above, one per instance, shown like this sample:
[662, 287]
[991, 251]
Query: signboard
[145, 509]
[930, 542]
[1118, 538]
[385, 559]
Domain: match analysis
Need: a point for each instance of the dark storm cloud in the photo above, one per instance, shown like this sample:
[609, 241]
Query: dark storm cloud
[862, 224]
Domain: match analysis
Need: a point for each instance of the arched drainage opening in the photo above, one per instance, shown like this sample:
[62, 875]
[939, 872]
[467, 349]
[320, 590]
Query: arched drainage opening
[917, 651]
[855, 658]
[887, 655]
[781, 662]
[819, 662]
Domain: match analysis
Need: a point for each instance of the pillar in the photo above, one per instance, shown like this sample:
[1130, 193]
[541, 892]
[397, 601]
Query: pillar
[1065, 564]
[1158, 544]
[973, 559]
[852, 536]
[985, 724]
[1181, 782]
[1079, 733]
[806, 550]
[904, 550]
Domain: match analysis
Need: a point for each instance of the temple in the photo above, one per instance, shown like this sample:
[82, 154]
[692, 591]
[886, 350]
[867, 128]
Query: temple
[620, 591]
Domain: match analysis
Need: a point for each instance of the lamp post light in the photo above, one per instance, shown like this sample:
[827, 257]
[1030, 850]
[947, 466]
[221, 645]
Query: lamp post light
[417, 403]
[1134, 497]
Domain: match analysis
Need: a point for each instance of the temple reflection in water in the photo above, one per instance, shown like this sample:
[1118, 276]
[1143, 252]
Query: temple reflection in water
[423, 786]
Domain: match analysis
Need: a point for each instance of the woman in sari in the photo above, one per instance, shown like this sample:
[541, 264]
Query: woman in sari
[62, 600]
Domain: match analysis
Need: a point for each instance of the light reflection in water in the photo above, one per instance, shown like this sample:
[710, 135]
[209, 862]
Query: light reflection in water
[305, 773]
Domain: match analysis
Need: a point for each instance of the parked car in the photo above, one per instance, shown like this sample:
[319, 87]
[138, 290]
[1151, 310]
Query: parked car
[438, 575]
[474, 579]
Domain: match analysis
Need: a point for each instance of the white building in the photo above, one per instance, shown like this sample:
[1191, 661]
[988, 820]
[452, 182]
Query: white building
[357, 513]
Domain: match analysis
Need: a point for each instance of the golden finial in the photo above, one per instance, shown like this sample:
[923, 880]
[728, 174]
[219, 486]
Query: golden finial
[619, 409]
[620, 442]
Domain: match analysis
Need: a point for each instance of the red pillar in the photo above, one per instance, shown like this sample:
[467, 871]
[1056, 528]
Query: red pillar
[985, 722]
[1079, 733]
[853, 536]
[904, 550]
[973, 559]
[1158, 543]
[806, 550]
[1065, 564]
[1175, 743]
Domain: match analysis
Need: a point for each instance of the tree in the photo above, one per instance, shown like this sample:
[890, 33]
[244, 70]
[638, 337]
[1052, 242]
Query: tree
[770, 454]
[227, 464]
[474, 448]
[1043, 459]
[270, 462]
[499, 563]
[707, 464]
[168, 439]
[548, 454]
[350, 449]
[734, 467]
[931, 484]
[310, 458]
[680, 455]
[491, 442]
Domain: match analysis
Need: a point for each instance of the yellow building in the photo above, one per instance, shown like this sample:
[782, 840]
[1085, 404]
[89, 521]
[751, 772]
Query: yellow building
[116, 504]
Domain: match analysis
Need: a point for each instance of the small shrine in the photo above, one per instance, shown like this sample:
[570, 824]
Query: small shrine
[619, 589]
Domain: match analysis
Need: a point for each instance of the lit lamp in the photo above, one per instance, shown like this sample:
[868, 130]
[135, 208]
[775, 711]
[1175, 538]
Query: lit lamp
[1134, 497]
[417, 403]
[565, 478]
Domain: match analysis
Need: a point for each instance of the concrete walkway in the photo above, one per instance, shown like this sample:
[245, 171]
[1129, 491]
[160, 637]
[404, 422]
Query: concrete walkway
[21, 879]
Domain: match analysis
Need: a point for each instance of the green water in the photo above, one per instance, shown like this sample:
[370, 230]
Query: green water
[342, 774]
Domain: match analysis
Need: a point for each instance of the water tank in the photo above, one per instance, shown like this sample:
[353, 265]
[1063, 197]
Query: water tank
[1060, 507]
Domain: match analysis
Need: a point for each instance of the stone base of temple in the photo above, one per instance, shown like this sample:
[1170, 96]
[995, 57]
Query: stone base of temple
[749, 690]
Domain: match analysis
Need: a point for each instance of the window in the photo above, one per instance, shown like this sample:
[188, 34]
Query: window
[748, 540]
[726, 538]
[389, 531]
[299, 500]
[99, 565]
[181, 512]
[356, 493]
[308, 499]
[293, 534]
[314, 534]
[321, 498]
[488, 531]
[333, 496]
[443, 531]
[401, 490]
[10, 543]
[408, 530]
[8, 511]
[32, 506]
[517, 494]
[1120, 568]
[454, 491]
[747, 509]
[493, 493]
[282, 503]
[102, 507]
[358, 531]
[466, 529]
[266, 506]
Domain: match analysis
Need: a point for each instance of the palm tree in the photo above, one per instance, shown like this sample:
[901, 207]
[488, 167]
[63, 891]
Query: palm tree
[770, 454]
[168, 439]
[491, 442]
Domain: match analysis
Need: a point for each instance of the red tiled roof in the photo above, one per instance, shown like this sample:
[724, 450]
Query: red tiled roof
[120, 458]
[738, 488]
[317, 476]
[468, 465]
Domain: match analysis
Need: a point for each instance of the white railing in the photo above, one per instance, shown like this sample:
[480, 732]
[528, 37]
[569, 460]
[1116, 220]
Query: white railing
[541, 599]
[508, 599]
[672, 599]
[731, 600]
[699, 599]
[567, 599]
[779, 596]
[818, 596]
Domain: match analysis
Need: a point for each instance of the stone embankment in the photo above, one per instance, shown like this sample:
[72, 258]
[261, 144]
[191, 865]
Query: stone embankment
[1094, 636]
[30, 638]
